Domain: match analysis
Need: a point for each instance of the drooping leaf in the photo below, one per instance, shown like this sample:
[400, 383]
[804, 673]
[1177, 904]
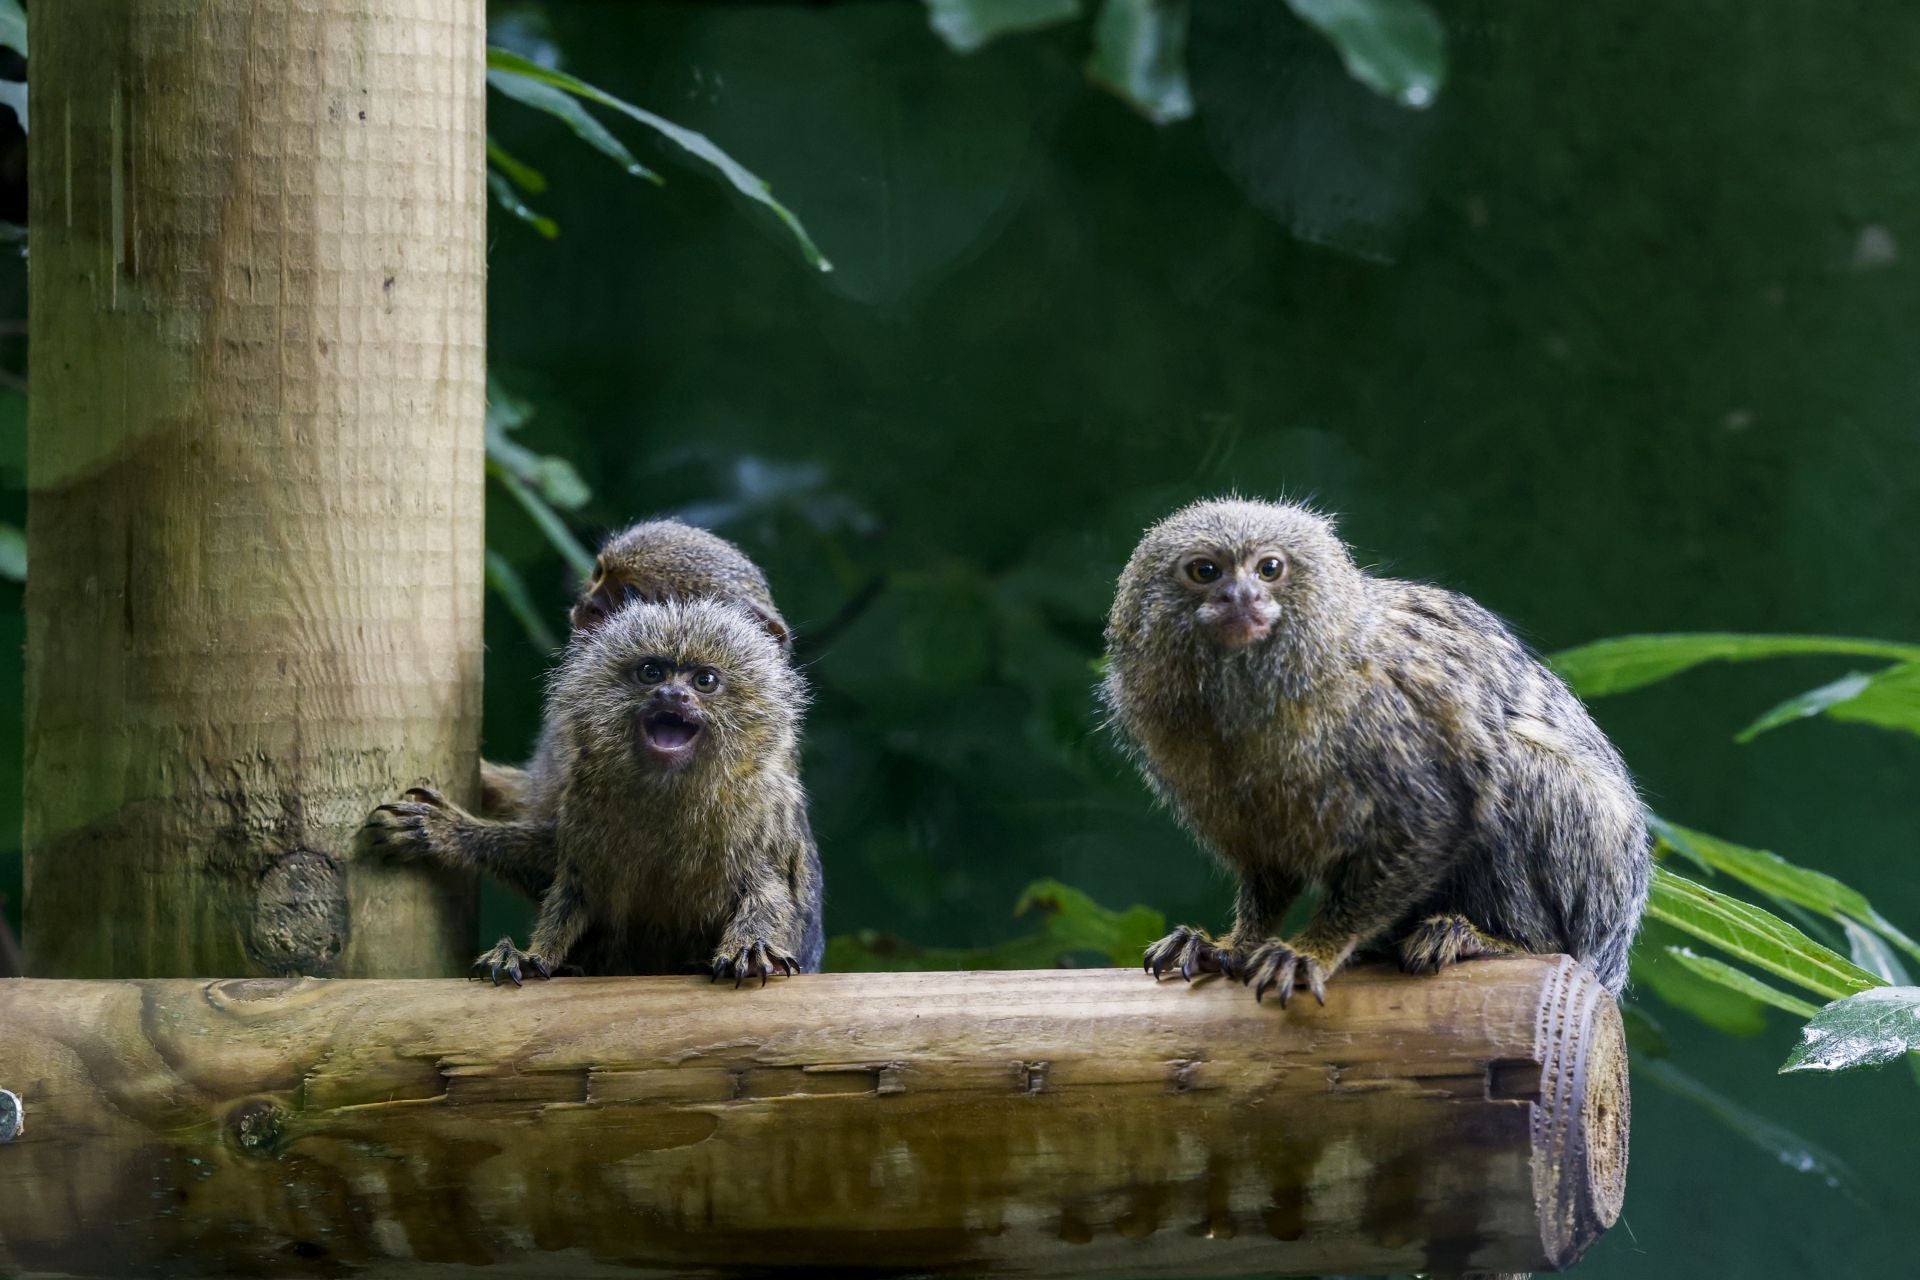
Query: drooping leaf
[506, 581]
[554, 479]
[1394, 47]
[13, 554]
[1888, 698]
[1732, 1013]
[566, 108]
[523, 175]
[1719, 971]
[578, 558]
[503, 61]
[1757, 937]
[1774, 876]
[507, 198]
[1631, 662]
[1806, 705]
[1645, 1035]
[1862, 1030]
[1070, 922]
[967, 25]
[1871, 952]
[13, 27]
[1140, 53]
[1784, 1145]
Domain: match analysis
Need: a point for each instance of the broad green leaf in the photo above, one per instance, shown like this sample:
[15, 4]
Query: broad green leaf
[13, 554]
[695, 144]
[524, 176]
[578, 558]
[1871, 952]
[13, 26]
[1631, 662]
[1888, 698]
[1070, 921]
[1732, 1013]
[1140, 53]
[512, 589]
[1779, 879]
[1394, 47]
[1863, 1030]
[967, 25]
[1733, 979]
[1757, 937]
[507, 198]
[1784, 1145]
[565, 108]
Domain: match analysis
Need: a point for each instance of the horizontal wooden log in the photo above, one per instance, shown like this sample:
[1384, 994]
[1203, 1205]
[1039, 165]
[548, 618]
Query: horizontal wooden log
[1083, 1122]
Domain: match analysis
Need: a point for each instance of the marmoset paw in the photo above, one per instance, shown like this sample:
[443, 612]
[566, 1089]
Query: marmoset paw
[510, 960]
[1189, 951]
[755, 957]
[1275, 966]
[408, 827]
[1439, 941]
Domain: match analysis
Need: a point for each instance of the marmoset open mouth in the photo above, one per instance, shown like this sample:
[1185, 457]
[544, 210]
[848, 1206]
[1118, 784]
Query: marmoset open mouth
[669, 737]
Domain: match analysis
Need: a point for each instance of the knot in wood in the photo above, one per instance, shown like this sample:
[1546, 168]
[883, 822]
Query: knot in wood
[300, 920]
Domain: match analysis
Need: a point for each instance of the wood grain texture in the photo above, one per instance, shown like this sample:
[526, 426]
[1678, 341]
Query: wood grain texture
[1042, 1123]
[256, 469]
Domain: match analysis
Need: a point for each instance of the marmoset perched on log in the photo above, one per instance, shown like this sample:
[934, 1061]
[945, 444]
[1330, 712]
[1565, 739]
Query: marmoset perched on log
[657, 561]
[670, 826]
[1389, 742]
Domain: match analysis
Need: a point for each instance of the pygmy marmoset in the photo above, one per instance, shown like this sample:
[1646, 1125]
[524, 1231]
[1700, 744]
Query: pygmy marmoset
[657, 561]
[671, 825]
[1389, 742]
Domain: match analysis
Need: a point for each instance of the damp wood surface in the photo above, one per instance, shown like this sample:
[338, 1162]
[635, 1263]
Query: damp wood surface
[1040, 1123]
[255, 479]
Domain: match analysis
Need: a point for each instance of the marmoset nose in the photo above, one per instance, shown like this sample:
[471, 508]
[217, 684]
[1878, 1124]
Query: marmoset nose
[1236, 591]
[676, 697]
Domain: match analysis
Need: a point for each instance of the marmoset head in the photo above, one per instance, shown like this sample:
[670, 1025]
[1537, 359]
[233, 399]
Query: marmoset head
[685, 687]
[1224, 577]
[661, 560]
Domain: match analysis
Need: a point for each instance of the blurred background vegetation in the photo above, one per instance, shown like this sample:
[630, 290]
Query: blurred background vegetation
[1603, 314]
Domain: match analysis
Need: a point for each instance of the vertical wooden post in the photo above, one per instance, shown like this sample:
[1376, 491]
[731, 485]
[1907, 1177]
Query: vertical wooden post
[256, 467]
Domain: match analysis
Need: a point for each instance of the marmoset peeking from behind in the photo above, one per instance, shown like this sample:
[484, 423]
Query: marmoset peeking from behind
[655, 561]
[1390, 743]
[670, 827]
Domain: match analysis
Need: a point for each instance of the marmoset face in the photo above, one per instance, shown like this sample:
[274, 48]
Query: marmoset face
[673, 714]
[1232, 589]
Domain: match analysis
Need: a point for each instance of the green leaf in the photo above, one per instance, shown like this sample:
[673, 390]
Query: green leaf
[13, 554]
[506, 581]
[1140, 53]
[1719, 971]
[1070, 922]
[524, 176]
[507, 198]
[967, 25]
[1864, 1030]
[1644, 1032]
[1784, 1145]
[1779, 879]
[1631, 662]
[1757, 937]
[578, 558]
[542, 96]
[1394, 47]
[695, 144]
[1889, 698]
[13, 26]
